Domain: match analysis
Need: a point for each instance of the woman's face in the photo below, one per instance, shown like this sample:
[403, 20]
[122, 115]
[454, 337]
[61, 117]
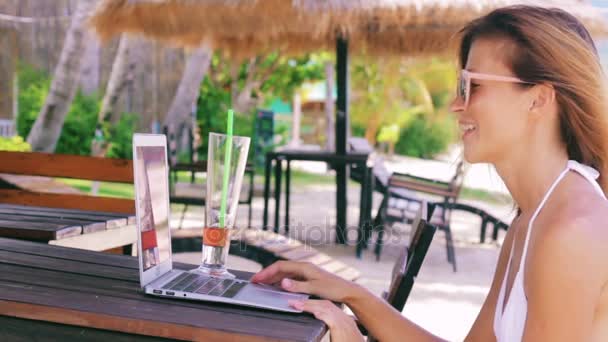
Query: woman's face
[494, 122]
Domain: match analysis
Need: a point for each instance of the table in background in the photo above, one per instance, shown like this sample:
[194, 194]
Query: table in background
[58, 293]
[361, 160]
[84, 229]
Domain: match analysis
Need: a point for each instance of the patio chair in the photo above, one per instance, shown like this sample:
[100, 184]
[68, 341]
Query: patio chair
[409, 262]
[402, 200]
[194, 166]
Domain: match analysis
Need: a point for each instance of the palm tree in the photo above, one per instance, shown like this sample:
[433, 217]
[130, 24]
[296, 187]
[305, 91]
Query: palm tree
[197, 65]
[47, 128]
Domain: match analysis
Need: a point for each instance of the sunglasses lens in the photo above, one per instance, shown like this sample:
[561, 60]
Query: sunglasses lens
[462, 88]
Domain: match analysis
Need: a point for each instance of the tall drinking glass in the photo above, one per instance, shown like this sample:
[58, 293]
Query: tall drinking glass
[216, 232]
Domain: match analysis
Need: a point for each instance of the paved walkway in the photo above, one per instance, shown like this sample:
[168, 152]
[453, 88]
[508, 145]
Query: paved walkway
[442, 301]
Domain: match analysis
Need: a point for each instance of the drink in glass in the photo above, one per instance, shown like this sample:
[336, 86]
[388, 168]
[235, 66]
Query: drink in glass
[224, 179]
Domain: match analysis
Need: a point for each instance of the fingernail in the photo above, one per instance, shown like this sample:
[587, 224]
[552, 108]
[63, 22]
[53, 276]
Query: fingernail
[296, 304]
[287, 283]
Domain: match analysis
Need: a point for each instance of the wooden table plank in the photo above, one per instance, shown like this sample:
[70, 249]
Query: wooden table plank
[88, 226]
[101, 240]
[58, 252]
[37, 231]
[56, 284]
[68, 266]
[121, 219]
[18, 329]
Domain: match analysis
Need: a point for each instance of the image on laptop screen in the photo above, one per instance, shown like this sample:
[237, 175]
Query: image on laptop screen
[153, 198]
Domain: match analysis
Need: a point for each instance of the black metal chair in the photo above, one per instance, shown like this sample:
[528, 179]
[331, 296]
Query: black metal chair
[402, 200]
[409, 262]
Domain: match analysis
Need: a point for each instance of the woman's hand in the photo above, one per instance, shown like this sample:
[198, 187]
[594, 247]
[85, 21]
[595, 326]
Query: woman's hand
[307, 278]
[342, 327]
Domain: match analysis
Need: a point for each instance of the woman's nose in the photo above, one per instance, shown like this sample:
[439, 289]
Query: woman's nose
[457, 105]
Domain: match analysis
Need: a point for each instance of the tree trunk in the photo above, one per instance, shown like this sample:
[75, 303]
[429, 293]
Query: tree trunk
[89, 76]
[197, 65]
[119, 78]
[47, 128]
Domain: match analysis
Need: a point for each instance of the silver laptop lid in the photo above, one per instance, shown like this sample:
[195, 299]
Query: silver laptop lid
[150, 170]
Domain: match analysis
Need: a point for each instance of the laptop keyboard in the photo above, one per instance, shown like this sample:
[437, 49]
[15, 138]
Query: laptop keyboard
[200, 284]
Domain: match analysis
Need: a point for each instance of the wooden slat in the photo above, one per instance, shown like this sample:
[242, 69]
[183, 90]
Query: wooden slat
[333, 266]
[69, 266]
[349, 273]
[57, 252]
[37, 231]
[112, 220]
[101, 240]
[298, 253]
[104, 215]
[427, 188]
[18, 329]
[318, 259]
[88, 226]
[69, 166]
[69, 201]
[109, 321]
[278, 246]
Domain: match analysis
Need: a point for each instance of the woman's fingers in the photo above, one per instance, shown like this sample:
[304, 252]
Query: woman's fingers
[291, 285]
[342, 327]
[324, 310]
[281, 269]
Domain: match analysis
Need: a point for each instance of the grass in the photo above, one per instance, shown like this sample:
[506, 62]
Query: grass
[119, 190]
[298, 178]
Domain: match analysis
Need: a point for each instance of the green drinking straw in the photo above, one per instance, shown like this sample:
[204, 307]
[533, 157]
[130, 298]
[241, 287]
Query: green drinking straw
[227, 158]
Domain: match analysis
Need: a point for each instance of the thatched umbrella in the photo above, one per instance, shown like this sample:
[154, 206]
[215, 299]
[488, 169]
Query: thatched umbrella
[244, 28]
[250, 27]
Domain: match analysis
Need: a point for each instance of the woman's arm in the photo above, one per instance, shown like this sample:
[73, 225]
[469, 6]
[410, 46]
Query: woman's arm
[565, 272]
[382, 321]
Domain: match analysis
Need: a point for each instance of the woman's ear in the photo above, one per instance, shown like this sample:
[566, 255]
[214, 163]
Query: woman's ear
[543, 99]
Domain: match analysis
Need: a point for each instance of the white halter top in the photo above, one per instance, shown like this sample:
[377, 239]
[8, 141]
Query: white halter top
[510, 317]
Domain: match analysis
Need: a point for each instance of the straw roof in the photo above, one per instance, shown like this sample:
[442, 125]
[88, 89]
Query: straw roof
[247, 27]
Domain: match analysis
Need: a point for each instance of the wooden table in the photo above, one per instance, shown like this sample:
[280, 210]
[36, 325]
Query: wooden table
[57, 293]
[92, 230]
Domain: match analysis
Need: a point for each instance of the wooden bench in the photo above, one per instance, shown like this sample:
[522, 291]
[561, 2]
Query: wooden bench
[264, 247]
[67, 166]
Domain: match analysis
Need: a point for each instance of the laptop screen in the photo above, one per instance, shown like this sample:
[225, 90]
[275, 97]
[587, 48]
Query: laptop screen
[151, 186]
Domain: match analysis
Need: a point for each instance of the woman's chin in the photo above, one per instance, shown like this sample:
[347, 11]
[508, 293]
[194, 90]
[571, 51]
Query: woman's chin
[471, 156]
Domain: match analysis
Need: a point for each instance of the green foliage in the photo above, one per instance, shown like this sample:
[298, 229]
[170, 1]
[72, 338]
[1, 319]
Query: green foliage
[213, 105]
[121, 137]
[389, 134]
[79, 124]
[291, 73]
[15, 144]
[426, 136]
[79, 127]
[33, 89]
[278, 76]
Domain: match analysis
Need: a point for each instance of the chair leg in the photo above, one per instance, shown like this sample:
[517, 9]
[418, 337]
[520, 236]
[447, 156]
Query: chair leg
[495, 230]
[449, 241]
[379, 243]
[249, 215]
[484, 226]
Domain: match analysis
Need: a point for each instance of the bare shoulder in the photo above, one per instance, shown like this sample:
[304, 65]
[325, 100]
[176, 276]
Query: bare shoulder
[575, 227]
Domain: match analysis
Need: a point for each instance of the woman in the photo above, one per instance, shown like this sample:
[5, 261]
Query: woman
[530, 101]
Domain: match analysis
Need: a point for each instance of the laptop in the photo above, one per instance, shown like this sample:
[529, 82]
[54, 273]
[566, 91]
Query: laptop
[156, 273]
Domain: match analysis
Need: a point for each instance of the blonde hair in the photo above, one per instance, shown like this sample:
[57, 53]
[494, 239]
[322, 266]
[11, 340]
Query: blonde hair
[553, 47]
